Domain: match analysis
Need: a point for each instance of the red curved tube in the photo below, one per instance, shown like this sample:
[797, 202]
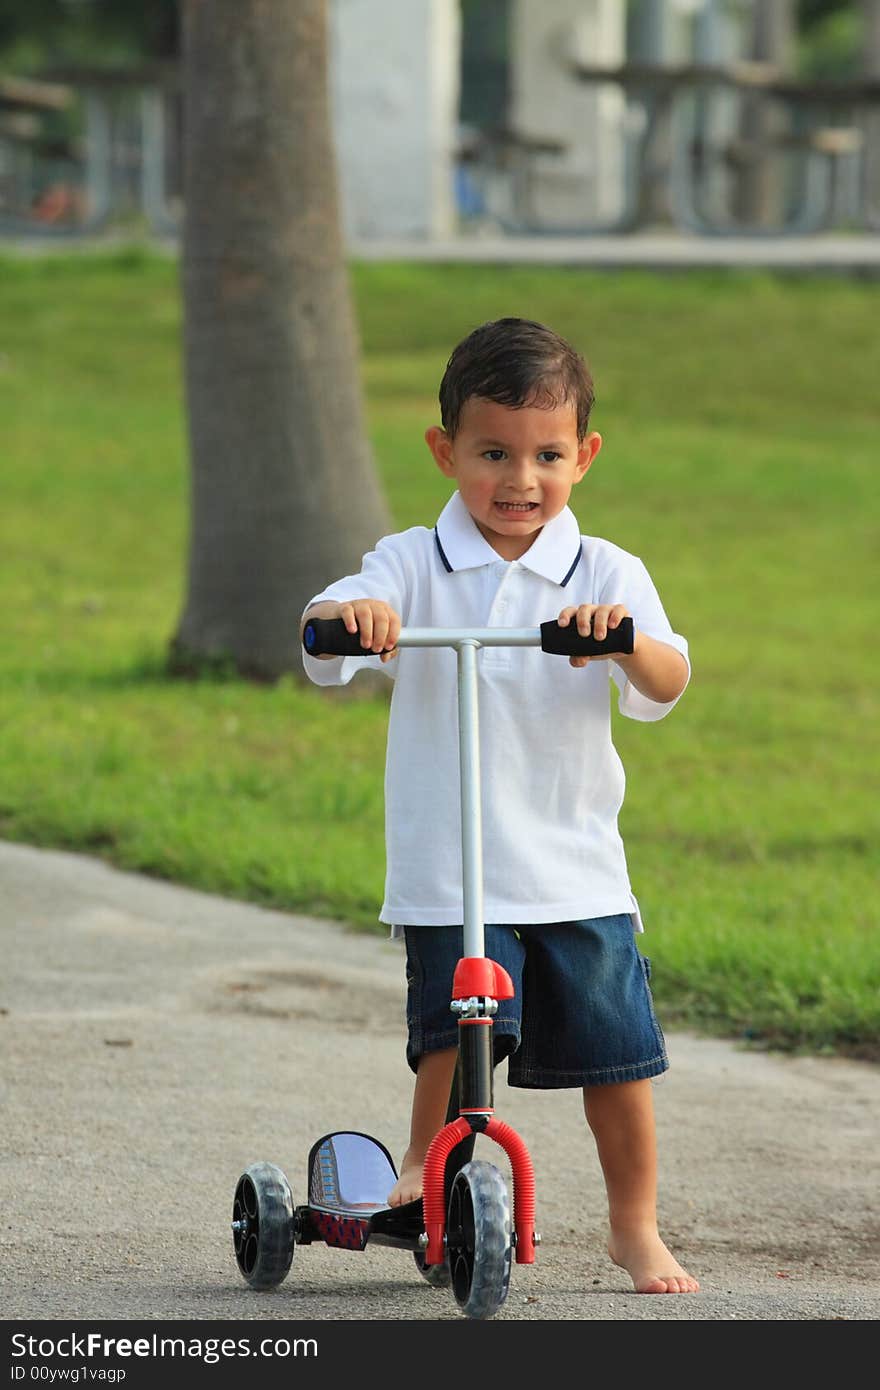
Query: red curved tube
[523, 1187]
[433, 1181]
[433, 1195]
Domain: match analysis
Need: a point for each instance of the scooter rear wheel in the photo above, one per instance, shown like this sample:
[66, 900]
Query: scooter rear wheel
[478, 1239]
[262, 1225]
[438, 1276]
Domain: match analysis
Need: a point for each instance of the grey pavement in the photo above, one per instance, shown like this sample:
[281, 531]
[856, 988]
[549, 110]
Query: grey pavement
[647, 250]
[156, 1040]
[658, 249]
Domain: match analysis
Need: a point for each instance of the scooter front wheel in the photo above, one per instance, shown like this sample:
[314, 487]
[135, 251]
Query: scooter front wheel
[262, 1225]
[478, 1239]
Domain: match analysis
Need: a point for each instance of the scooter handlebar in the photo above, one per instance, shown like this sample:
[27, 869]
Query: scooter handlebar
[330, 637]
[567, 641]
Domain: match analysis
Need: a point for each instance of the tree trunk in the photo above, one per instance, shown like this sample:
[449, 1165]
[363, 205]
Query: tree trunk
[283, 495]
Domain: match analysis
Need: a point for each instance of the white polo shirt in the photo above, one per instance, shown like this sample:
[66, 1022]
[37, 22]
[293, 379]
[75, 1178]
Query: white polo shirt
[552, 782]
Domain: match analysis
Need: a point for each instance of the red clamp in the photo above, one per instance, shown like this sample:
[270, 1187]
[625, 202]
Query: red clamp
[481, 977]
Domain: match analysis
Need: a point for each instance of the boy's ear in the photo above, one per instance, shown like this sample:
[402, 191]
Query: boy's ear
[587, 451]
[440, 444]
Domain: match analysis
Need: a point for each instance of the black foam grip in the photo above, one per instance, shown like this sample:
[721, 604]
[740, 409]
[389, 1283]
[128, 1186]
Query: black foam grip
[330, 637]
[567, 641]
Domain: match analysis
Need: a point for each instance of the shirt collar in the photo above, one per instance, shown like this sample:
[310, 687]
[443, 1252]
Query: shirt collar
[461, 545]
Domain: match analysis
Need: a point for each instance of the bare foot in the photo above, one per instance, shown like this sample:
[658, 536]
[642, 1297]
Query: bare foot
[649, 1264]
[409, 1185]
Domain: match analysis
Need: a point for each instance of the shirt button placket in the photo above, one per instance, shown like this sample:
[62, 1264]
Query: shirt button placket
[499, 657]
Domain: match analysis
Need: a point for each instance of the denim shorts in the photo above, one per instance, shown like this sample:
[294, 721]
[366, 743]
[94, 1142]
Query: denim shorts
[582, 1014]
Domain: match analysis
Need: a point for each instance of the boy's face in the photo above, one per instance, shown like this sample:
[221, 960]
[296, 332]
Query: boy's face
[515, 467]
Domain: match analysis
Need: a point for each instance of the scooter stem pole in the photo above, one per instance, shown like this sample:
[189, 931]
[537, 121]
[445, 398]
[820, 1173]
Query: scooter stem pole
[471, 811]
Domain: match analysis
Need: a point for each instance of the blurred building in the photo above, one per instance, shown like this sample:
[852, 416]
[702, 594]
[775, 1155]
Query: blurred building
[470, 117]
[583, 116]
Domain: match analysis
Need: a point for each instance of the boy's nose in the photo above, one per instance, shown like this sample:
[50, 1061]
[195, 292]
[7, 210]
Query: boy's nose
[521, 474]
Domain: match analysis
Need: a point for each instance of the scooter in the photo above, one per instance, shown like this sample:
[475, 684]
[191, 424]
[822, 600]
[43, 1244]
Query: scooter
[460, 1231]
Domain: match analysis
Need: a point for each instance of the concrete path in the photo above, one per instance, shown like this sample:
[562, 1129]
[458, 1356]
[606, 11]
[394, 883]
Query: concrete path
[155, 1041]
[644, 250]
[858, 253]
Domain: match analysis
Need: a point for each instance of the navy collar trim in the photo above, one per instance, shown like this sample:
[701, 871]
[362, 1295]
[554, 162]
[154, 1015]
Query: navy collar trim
[449, 569]
[442, 552]
[574, 564]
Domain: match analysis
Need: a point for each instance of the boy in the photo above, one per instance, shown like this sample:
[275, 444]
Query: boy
[507, 551]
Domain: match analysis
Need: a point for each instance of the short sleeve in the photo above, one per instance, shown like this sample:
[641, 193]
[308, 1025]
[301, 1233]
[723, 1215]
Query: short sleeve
[633, 586]
[382, 576]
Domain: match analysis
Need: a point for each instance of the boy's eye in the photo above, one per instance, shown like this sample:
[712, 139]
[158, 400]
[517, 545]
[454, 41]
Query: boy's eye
[545, 456]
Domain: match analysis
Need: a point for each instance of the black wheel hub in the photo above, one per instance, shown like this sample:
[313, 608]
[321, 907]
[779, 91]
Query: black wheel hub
[461, 1240]
[246, 1225]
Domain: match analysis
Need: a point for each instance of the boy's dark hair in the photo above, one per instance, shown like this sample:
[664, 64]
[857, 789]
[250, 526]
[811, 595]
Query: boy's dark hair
[515, 362]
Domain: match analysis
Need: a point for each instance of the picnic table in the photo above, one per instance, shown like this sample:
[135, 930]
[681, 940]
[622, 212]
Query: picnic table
[828, 121]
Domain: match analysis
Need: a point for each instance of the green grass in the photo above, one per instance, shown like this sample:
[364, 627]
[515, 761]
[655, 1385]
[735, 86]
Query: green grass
[739, 413]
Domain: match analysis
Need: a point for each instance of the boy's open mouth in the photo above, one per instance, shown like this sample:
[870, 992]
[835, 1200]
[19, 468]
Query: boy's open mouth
[516, 508]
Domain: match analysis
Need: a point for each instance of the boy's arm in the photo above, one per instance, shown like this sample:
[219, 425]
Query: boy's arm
[657, 671]
[368, 602]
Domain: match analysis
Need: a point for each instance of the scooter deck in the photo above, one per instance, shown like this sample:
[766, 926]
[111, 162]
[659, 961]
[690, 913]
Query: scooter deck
[352, 1228]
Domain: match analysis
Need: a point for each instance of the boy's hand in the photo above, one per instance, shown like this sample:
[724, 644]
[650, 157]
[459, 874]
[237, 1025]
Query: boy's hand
[598, 618]
[377, 623]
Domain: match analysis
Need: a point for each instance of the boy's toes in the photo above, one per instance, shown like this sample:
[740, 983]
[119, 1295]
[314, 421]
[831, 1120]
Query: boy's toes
[398, 1196]
[653, 1284]
[670, 1283]
[643, 1256]
[406, 1189]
